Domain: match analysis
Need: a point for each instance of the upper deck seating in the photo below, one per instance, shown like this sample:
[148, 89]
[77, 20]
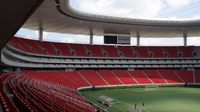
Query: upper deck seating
[127, 51]
[19, 44]
[142, 52]
[26, 45]
[95, 50]
[62, 49]
[157, 52]
[34, 46]
[81, 50]
[47, 48]
[186, 51]
[111, 50]
[172, 52]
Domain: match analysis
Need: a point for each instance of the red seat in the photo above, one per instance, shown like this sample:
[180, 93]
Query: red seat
[142, 52]
[92, 77]
[172, 51]
[109, 77]
[111, 50]
[95, 50]
[187, 51]
[197, 76]
[63, 49]
[157, 52]
[186, 75]
[127, 51]
[140, 77]
[50, 50]
[153, 75]
[124, 77]
[79, 49]
[169, 75]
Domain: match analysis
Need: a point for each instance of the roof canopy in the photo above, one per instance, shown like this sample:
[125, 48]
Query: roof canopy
[59, 16]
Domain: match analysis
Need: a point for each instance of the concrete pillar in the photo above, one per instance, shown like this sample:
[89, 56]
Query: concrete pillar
[91, 37]
[184, 37]
[40, 33]
[138, 38]
[18, 72]
[194, 78]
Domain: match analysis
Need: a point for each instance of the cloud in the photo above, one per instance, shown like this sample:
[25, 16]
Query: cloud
[193, 41]
[161, 41]
[196, 17]
[98, 40]
[121, 8]
[66, 38]
[142, 9]
[27, 33]
[45, 34]
[178, 3]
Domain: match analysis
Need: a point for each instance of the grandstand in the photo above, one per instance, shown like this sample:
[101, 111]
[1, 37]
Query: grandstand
[44, 76]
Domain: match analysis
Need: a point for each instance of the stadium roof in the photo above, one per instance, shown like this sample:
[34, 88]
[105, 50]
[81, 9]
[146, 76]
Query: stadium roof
[14, 13]
[59, 16]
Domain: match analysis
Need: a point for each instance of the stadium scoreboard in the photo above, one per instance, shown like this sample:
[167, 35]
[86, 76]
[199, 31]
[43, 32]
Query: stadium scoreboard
[109, 39]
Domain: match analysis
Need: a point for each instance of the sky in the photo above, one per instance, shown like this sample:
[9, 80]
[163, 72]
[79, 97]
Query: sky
[147, 9]
[142, 9]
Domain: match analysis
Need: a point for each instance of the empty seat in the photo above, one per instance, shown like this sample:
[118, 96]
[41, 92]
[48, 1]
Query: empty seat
[187, 51]
[154, 76]
[92, 77]
[157, 52]
[109, 77]
[140, 77]
[79, 49]
[111, 50]
[197, 76]
[172, 51]
[63, 49]
[169, 75]
[142, 52]
[127, 51]
[124, 76]
[48, 47]
[186, 75]
[95, 50]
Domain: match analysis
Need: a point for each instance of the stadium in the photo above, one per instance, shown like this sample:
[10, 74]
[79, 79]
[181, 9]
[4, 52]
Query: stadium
[83, 61]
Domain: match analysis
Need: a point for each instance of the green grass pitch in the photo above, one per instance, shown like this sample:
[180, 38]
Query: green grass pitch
[166, 99]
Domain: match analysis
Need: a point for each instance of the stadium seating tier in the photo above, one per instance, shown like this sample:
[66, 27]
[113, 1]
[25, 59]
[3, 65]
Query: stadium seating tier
[83, 50]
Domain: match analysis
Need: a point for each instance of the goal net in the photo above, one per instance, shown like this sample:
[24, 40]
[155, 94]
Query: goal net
[151, 87]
